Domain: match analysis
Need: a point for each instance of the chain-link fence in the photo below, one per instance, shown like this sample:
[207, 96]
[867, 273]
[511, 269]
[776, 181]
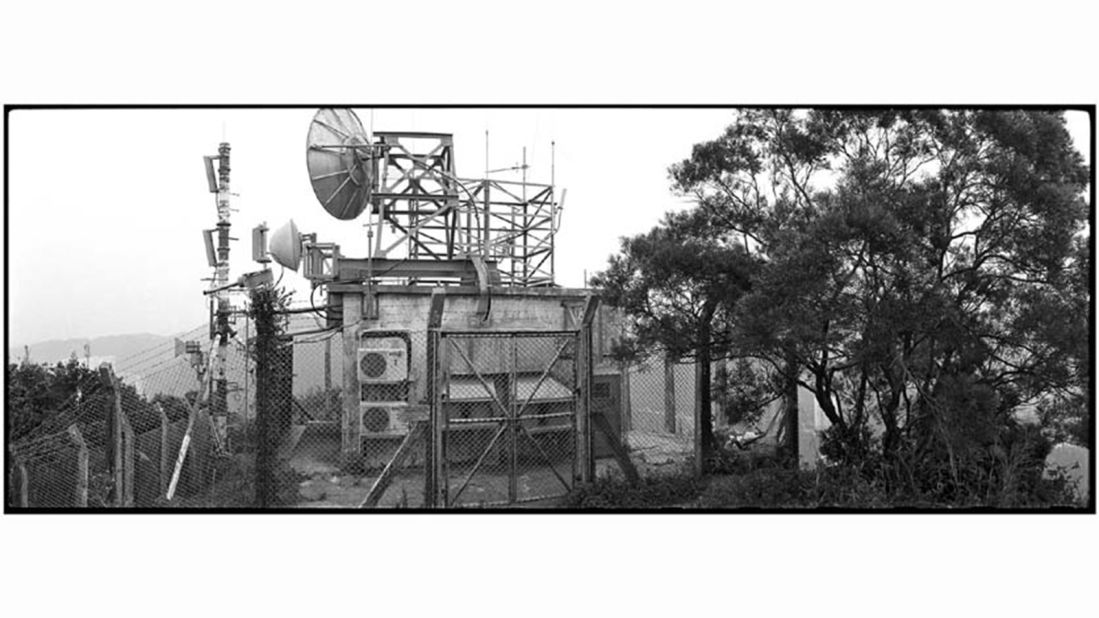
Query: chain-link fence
[651, 408]
[508, 416]
[648, 413]
[514, 421]
[107, 445]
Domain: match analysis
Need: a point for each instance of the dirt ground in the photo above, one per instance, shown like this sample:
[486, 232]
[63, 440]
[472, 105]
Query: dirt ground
[326, 487]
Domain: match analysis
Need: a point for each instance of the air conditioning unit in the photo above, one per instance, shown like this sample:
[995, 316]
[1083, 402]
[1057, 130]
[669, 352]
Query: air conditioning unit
[383, 365]
[383, 418]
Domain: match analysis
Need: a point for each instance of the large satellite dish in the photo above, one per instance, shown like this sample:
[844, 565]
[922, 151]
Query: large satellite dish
[341, 162]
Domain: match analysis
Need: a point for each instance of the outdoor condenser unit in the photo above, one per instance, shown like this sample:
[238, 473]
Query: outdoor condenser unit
[383, 418]
[383, 365]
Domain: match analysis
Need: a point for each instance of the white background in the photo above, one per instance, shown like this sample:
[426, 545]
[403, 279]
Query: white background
[682, 52]
[106, 206]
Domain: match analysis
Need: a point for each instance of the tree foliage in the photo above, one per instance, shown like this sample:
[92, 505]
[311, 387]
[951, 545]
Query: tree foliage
[46, 399]
[927, 269]
[679, 283]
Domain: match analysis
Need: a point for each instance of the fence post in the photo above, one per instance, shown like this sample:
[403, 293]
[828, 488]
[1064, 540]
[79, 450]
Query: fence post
[350, 434]
[81, 496]
[162, 470]
[433, 443]
[585, 365]
[669, 393]
[722, 387]
[123, 434]
[114, 434]
[624, 397]
[264, 454]
[128, 440]
[441, 370]
[24, 483]
[698, 412]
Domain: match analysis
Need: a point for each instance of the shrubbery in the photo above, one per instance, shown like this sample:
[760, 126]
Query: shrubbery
[650, 493]
[46, 399]
[848, 488]
[1009, 476]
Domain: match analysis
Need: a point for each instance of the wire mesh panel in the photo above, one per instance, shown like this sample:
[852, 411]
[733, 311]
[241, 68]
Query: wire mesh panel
[53, 478]
[654, 399]
[51, 444]
[449, 419]
[508, 413]
[369, 450]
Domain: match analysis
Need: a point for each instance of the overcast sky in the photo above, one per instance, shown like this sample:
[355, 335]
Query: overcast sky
[106, 207]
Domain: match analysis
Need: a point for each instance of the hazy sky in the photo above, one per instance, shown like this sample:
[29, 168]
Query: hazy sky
[106, 207]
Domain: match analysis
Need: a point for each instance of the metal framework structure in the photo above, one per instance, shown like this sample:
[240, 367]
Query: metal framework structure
[419, 211]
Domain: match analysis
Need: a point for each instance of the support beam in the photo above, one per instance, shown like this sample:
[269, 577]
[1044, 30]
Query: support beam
[358, 269]
[418, 431]
[162, 476]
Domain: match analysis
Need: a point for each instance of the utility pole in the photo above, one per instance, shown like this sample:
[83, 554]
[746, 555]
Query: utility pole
[221, 280]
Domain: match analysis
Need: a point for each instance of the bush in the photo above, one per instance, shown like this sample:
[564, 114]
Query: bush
[795, 489]
[869, 487]
[672, 491]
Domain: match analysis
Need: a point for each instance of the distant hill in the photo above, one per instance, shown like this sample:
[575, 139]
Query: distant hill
[117, 346]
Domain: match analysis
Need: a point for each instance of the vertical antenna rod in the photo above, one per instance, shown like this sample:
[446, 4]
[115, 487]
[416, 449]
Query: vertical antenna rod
[526, 249]
[554, 207]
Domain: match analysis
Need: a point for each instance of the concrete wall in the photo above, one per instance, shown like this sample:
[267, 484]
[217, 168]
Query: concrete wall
[511, 309]
[646, 397]
[407, 310]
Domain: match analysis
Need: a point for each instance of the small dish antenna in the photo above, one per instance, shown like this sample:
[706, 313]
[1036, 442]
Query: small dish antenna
[341, 162]
[285, 246]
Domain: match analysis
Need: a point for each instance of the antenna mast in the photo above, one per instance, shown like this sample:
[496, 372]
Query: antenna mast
[221, 281]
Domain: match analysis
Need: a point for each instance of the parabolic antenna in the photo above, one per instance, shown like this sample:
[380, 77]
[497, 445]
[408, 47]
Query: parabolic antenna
[285, 246]
[341, 162]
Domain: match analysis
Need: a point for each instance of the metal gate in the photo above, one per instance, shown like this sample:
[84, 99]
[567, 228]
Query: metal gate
[507, 408]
